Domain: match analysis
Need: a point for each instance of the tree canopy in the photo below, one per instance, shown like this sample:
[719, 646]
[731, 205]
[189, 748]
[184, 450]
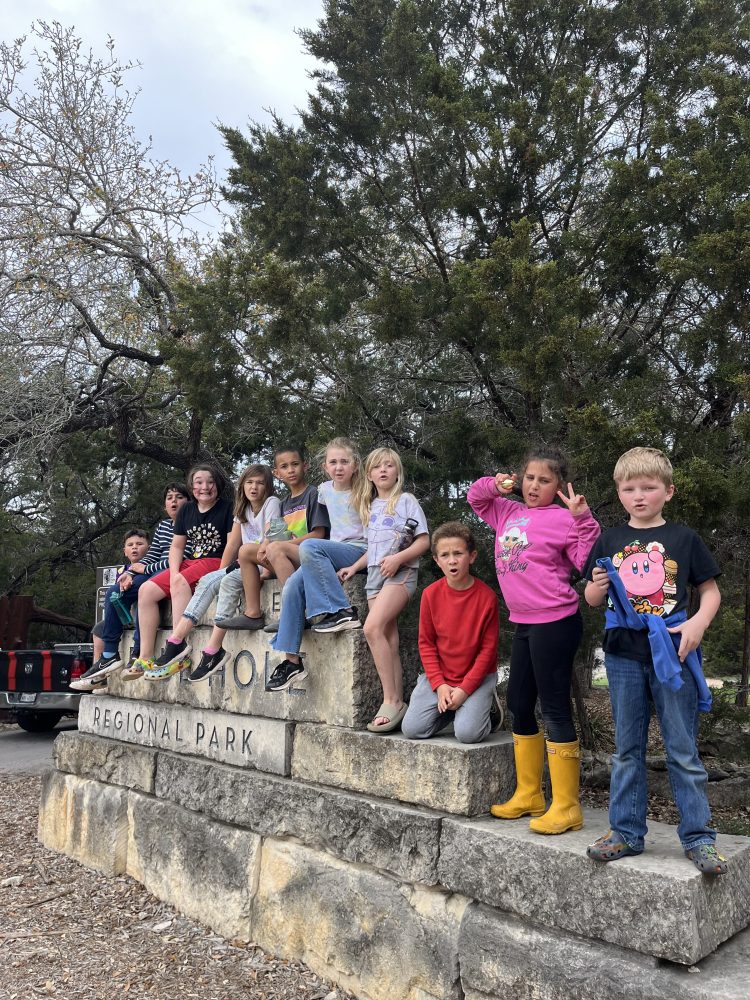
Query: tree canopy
[494, 223]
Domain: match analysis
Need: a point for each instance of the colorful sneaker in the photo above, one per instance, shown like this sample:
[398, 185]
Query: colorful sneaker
[338, 621]
[97, 671]
[209, 664]
[164, 673]
[172, 652]
[610, 847]
[284, 675]
[135, 669]
[707, 859]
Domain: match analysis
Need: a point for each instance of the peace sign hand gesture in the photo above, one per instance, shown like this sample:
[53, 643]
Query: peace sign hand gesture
[575, 502]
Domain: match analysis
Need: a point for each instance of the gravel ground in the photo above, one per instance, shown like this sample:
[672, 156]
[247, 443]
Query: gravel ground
[69, 932]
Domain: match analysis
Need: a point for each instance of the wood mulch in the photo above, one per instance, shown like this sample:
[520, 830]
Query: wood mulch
[70, 932]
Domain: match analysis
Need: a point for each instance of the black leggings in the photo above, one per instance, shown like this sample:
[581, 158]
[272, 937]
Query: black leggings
[541, 664]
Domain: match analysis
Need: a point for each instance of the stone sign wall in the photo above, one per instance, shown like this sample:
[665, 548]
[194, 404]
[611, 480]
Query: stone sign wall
[371, 857]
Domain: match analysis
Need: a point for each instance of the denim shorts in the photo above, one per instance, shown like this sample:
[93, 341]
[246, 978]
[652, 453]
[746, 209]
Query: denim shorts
[407, 576]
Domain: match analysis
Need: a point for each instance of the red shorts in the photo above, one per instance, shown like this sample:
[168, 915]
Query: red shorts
[191, 569]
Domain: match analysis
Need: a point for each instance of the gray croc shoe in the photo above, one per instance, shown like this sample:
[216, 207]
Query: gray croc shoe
[707, 859]
[610, 847]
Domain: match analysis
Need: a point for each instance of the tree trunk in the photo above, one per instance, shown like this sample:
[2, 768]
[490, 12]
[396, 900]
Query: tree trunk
[579, 685]
[741, 699]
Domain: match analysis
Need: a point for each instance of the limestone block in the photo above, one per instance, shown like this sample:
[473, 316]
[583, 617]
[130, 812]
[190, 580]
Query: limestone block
[84, 819]
[262, 743]
[663, 905]
[106, 760]
[440, 773]
[381, 939]
[388, 836]
[504, 957]
[205, 869]
[341, 688]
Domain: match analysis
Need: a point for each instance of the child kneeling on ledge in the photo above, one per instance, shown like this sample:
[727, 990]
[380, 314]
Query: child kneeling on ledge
[458, 634]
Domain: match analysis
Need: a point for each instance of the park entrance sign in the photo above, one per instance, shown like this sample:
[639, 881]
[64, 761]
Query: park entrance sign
[276, 818]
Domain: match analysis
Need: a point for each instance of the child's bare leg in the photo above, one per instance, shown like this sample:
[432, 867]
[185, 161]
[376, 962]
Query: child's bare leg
[251, 581]
[149, 597]
[98, 648]
[182, 629]
[181, 594]
[284, 557]
[381, 632]
[216, 638]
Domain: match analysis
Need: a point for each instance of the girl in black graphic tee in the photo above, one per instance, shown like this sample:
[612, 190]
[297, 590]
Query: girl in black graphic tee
[206, 521]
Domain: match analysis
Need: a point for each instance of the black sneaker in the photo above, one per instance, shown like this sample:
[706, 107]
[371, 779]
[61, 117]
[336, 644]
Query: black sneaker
[496, 713]
[284, 674]
[96, 673]
[172, 652]
[338, 621]
[210, 663]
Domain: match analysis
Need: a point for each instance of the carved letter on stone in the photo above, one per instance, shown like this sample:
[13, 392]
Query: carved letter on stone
[244, 654]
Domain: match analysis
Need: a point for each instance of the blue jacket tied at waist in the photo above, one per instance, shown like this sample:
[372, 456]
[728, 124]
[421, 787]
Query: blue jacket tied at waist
[664, 645]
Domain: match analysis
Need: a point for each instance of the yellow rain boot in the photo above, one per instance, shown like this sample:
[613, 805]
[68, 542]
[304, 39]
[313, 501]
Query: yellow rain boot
[528, 798]
[564, 771]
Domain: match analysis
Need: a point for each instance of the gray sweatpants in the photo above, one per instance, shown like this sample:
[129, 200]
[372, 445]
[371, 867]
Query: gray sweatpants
[471, 723]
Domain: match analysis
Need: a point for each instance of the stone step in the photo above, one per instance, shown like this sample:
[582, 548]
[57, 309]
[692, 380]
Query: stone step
[657, 903]
[399, 839]
[504, 956]
[265, 744]
[440, 773]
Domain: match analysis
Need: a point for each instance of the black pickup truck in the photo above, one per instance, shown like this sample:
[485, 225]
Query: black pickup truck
[35, 684]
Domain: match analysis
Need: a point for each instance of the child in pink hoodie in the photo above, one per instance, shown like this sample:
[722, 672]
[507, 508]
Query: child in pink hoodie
[538, 543]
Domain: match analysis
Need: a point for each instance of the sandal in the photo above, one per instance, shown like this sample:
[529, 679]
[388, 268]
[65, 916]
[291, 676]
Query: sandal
[707, 859]
[392, 714]
[610, 847]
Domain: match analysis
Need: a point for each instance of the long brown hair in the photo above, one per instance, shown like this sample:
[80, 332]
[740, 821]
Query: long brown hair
[241, 503]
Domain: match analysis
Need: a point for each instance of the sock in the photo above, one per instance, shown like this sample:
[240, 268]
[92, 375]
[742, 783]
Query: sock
[108, 656]
[175, 641]
[210, 651]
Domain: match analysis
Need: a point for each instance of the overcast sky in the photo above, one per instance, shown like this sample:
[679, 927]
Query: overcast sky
[203, 61]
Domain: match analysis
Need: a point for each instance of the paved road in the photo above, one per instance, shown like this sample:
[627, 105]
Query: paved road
[27, 753]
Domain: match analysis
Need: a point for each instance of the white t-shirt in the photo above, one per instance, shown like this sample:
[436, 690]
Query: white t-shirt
[345, 523]
[383, 528]
[254, 525]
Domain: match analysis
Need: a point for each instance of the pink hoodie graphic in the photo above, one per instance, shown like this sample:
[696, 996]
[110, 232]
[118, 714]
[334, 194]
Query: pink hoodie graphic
[535, 550]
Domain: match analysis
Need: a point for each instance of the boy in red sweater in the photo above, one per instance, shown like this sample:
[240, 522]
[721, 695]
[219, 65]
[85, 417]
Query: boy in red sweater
[458, 634]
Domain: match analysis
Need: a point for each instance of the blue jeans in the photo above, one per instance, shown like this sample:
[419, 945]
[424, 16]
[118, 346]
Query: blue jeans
[227, 587]
[313, 589]
[632, 688]
[113, 627]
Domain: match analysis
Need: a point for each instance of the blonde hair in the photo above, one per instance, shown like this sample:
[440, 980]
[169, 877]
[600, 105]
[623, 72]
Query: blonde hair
[345, 444]
[643, 462]
[366, 491]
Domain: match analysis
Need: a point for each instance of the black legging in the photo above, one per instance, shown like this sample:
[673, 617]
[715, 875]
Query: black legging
[541, 664]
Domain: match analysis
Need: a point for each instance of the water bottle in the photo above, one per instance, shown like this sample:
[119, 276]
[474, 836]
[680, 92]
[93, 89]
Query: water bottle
[404, 536]
[278, 530]
[121, 610]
